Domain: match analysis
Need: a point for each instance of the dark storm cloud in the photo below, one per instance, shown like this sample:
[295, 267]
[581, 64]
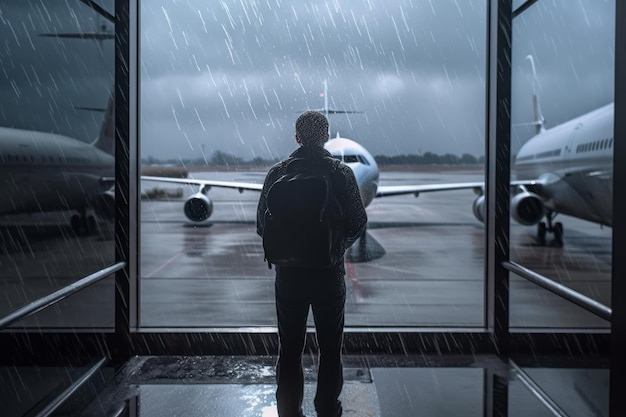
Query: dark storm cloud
[233, 75]
[258, 64]
[43, 79]
[573, 46]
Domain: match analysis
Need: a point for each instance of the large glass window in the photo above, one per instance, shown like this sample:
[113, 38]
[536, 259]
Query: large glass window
[56, 161]
[221, 86]
[563, 139]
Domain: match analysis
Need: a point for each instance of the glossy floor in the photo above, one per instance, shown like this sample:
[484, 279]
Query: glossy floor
[375, 386]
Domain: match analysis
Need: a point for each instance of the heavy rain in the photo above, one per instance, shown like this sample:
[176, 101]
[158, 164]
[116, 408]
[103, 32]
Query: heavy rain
[220, 85]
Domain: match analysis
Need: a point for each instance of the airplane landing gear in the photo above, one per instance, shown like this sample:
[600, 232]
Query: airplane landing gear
[541, 233]
[556, 229]
[83, 224]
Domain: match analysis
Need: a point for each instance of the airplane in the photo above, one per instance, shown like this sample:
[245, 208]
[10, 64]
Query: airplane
[566, 169]
[199, 207]
[44, 172]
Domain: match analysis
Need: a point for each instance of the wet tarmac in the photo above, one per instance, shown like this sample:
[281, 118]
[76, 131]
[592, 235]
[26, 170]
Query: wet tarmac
[425, 267]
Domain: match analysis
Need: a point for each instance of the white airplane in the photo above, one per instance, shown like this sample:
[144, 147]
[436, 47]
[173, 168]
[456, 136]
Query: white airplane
[44, 172]
[567, 169]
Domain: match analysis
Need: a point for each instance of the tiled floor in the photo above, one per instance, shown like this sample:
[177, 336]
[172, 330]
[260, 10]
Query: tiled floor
[375, 386]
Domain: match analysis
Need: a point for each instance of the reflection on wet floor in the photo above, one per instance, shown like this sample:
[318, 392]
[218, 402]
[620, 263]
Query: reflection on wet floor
[374, 386]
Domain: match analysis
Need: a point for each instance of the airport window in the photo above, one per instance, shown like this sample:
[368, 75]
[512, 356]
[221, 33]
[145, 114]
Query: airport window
[398, 82]
[543, 31]
[62, 68]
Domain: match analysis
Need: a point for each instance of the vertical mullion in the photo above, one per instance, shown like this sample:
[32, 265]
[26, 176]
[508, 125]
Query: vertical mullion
[123, 169]
[498, 173]
[617, 400]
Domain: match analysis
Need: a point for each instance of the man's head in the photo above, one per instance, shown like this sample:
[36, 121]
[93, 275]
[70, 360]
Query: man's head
[312, 129]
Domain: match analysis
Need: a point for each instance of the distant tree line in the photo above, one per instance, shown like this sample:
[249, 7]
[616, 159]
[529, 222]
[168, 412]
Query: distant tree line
[223, 159]
[429, 158]
[218, 158]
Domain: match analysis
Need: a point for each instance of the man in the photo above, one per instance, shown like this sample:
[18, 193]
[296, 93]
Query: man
[323, 289]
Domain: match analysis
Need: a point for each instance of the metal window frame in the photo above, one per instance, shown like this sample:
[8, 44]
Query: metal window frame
[496, 337]
[617, 400]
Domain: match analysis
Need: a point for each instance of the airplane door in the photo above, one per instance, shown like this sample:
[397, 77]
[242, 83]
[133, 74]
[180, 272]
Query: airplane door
[570, 147]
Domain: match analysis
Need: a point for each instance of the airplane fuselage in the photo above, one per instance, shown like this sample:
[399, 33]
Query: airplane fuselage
[42, 172]
[573, 165]
[361, 162]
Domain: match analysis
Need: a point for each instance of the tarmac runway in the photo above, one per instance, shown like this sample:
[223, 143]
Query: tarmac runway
[428, 267]
[425, 267]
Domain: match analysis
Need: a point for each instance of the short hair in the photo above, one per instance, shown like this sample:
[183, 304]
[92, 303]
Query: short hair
[312, 128]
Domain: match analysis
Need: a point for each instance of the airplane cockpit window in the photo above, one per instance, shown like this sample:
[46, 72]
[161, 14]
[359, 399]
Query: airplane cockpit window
[350, 159]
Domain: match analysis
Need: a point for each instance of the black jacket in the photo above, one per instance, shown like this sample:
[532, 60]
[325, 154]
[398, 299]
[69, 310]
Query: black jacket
[343, 184]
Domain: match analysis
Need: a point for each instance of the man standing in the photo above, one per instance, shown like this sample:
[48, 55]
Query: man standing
[323, 289]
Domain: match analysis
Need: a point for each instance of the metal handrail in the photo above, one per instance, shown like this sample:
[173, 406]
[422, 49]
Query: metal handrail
[57, 402]
[521, 9]
[45, 302]
[575, 297]
[536, 390]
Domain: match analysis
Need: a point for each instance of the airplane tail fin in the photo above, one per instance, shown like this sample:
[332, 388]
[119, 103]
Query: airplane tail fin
[326, 111]
[537, 114]
[106, 138]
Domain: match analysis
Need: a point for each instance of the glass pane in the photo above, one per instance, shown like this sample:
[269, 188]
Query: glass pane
[221, 86]
[564, 144]
[56, 156]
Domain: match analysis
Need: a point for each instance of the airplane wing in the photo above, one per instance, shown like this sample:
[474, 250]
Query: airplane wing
[241, 186]
[391, 190]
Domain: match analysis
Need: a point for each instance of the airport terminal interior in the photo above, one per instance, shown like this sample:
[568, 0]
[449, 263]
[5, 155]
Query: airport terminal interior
[135, 136]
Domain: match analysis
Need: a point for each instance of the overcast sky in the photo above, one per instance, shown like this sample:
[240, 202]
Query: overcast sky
[233, 75]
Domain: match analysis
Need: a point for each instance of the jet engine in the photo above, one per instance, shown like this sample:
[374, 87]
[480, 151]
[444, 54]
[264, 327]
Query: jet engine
[198, 207]
[104, 205]
[527, 208]
[478, 208]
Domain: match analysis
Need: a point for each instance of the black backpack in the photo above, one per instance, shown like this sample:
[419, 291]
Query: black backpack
[303, 220]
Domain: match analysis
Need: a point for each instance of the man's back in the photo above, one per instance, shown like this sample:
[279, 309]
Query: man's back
[345, 206]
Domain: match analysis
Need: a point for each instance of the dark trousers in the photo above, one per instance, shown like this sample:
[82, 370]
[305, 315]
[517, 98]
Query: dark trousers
[325, 292]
